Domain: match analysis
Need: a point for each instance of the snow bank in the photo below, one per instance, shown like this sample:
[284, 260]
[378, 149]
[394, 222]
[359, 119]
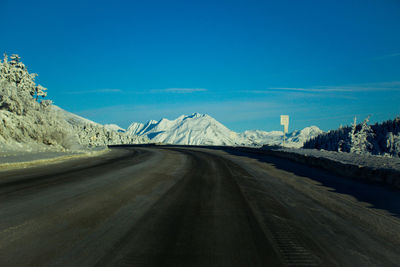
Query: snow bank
[17, 159]
[364, 167]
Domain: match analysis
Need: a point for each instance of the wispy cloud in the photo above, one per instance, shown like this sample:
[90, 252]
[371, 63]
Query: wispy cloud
[384, 86]
[96, 91]
[387, 56]
[228, 112]
[179, 90]
[291, 89]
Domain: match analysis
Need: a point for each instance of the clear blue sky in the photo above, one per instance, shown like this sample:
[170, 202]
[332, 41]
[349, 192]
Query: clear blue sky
[243, 62]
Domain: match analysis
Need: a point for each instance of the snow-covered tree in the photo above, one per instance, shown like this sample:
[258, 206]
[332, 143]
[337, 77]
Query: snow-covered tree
[360, 143]
[40, 91]
[393, 144]
[24, 120]
[16, 73]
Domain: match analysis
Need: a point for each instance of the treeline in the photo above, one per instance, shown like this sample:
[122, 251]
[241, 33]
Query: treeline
[378, 139]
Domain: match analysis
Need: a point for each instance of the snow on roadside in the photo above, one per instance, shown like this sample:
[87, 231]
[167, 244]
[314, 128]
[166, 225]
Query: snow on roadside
[18, 159]
[372, 161]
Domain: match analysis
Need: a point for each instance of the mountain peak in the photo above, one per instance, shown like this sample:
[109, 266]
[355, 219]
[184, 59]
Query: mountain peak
[152, 122]
[202, 129]
[197, 115]
[194, 129]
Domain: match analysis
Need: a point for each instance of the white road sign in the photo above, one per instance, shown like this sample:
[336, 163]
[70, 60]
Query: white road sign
[285, 122]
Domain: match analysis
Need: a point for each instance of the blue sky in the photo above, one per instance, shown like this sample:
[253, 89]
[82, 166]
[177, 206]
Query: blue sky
[242, 62]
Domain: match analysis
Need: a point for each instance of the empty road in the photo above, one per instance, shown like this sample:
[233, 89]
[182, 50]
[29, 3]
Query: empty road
[181, 206]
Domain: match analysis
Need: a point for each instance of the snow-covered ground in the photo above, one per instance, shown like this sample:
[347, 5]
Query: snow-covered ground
[371, 168]
[373, 161]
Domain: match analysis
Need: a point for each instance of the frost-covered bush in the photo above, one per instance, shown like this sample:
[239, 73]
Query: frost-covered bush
[91, 134]
[23, 120]
[378, 139]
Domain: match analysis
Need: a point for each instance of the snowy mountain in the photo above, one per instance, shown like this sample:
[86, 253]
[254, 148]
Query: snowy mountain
[140, 128]
[72, 118]
[294, 139]
[76, 120]
[202, 129]
[298, 138]
[258, 137]
[95, 134]
[114, 127]
[195, 129]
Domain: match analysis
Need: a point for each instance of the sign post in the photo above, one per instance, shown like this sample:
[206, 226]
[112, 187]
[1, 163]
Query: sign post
[285, 123]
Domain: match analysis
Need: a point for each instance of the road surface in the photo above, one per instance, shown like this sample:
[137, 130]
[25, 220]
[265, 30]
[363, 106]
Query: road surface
[177, 206]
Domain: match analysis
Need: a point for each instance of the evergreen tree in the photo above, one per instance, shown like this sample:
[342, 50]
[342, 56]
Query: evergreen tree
[360, 143]
[17, 74]
[379, 139]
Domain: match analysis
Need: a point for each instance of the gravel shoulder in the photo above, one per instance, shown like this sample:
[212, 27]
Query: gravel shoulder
[19, 159]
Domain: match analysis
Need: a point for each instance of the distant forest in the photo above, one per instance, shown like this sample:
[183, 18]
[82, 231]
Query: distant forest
[378, 139]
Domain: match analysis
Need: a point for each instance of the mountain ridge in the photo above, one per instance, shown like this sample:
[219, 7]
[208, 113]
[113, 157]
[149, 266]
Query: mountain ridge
[202, 129]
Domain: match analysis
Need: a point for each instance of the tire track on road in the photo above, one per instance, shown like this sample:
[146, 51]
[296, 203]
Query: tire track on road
[203, 220]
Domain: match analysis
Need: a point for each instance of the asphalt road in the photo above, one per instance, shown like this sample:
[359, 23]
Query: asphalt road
[155, 206]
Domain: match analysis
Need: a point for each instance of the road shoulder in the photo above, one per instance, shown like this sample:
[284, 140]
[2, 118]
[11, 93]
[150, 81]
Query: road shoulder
[22, 160]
